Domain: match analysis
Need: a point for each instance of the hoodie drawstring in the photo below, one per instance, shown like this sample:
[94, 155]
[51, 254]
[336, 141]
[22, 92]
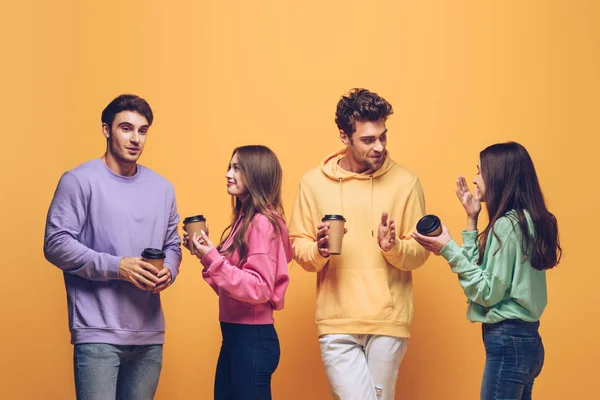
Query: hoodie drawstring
[372, 230]
[341, 198]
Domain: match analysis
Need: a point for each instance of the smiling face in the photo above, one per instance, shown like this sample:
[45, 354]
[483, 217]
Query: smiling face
[235, 182]
[366, 146]
[126, 137]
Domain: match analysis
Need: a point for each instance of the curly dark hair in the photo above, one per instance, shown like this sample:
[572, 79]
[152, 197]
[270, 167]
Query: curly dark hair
[360, 105]
[127, 102]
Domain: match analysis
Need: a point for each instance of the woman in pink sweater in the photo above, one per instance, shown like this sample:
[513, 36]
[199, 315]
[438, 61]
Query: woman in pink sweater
[249, 272]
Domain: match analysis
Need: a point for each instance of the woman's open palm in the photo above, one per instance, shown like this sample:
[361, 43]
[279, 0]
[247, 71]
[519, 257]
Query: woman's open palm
[470, 203]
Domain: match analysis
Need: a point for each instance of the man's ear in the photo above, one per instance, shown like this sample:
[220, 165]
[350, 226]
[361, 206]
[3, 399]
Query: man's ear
[105, 130]
[344, 138]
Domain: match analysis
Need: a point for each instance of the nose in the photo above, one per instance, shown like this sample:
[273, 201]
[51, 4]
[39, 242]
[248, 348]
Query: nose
[229, 174]
[135, 137]
[378, 148]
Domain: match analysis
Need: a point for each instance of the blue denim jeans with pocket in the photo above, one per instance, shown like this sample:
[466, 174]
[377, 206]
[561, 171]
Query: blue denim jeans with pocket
[249, 357]
[112, 372]
[514, 358]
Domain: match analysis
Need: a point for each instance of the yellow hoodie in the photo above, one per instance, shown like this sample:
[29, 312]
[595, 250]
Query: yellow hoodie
[364, 290]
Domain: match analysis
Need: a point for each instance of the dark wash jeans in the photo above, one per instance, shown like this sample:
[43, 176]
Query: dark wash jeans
[514, 358]
[249, 356]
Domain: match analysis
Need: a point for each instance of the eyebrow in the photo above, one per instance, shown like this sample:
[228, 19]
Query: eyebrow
[130, 124]
[372, 136]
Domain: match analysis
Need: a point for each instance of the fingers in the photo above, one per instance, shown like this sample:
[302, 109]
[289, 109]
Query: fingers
[324, 251]
[148, 278]
[322, 243]
[196, 240]
[163, 272]
[148, 269]
[422, 241]
[384, 217]
[322, 230]
[142, 282]
[205, 240]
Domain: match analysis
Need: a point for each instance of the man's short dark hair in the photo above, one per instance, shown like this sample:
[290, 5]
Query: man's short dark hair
[127, 102]
[360, 105]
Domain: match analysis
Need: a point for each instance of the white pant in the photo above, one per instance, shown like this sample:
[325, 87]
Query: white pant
[362, 367]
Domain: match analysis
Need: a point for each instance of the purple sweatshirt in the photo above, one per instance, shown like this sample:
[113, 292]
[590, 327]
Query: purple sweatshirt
[96, 218]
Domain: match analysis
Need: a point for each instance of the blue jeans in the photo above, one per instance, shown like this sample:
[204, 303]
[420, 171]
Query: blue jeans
[514, 358]
[109, 372]
[249, 356]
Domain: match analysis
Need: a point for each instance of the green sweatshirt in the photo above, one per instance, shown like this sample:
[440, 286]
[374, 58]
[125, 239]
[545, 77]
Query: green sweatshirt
[505, 285]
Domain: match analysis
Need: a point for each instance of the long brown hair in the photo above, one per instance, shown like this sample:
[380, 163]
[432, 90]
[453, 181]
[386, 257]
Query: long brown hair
[261, 173]
[511, 183]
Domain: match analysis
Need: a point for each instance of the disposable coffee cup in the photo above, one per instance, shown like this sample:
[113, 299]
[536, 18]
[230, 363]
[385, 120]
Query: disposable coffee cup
[193, 225]
[155, 257]
[429, 225]
[335, 232]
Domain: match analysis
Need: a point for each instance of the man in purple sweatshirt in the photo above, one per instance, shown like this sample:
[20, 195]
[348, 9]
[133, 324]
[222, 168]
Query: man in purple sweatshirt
[103, 214]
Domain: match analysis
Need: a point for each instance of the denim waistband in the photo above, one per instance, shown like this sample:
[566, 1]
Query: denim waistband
[512, 323]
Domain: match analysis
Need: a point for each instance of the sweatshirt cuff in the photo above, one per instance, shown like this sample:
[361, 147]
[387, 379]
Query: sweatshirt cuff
[319, 261]
[470, 236]
[113, 267]
[210, 258]
[450, 250]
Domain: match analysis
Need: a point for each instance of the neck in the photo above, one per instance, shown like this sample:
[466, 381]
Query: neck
[123, 169]
[349, 164]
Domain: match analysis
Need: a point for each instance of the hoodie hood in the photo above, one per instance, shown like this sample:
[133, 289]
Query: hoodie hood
[331, 168]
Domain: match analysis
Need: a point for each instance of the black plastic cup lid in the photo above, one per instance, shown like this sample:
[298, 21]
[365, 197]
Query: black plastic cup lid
[428, 224]
[195, 218]
[333, 217]
[153, 254]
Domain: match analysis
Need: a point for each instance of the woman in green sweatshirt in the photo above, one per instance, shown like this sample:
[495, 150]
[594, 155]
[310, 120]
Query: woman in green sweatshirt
[502, 269]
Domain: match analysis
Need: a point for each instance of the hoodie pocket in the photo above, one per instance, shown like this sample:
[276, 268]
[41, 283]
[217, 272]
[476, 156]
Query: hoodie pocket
[361, 294]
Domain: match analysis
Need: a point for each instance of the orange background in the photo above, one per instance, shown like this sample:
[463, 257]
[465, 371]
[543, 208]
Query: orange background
[460, 75]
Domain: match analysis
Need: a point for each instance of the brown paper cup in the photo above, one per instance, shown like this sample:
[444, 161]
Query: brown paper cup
[335, 233]
[155, 257]
[191, 228]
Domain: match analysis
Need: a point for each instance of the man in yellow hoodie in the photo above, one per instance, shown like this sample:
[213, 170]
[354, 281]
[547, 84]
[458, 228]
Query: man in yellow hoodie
[364, 295]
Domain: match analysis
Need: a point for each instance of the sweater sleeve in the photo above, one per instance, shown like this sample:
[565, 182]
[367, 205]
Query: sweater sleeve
[303, 233]
[172, 246]
[407, 254]
[488, 283]
[252, 281]
[64, 224]
[469, 247]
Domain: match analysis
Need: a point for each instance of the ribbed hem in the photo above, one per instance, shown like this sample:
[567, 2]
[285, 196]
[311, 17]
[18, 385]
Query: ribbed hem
[116, 336]
[262, 320]
[450, 250]
[358, 327]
